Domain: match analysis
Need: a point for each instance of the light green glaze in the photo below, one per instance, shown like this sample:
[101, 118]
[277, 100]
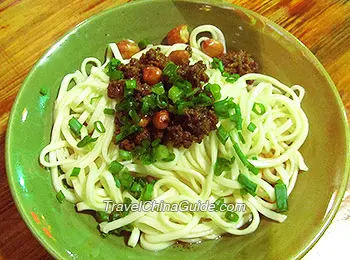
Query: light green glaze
[316, 196]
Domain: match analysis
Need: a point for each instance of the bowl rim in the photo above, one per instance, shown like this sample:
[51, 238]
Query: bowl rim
[10, 176]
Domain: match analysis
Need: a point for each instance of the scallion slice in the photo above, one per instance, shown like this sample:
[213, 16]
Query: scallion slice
[75, 172]
[259, 109]
[170, 71]
[241, 138]
[60, 196]
[147, 192]
[116, 75]
[231, 216]
[251, 127]
[125, 155]
[161, 152]
[86, 140]
[99, 127]
[126, 179]
[222, 134]
[158, 89]
[218, 204]
[221, 165]
[109, 111]
[175, 94]
[217, 64]
[143, 44]
[115, 167]
[244, 159]
[281, 196]
[134, 116]
[249, 185]
[75, 126]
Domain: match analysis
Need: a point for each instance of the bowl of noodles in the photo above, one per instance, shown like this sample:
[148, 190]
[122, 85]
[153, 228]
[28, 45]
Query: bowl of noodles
[187, 136]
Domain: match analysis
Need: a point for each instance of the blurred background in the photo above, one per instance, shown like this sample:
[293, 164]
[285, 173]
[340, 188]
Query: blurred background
[29, 27]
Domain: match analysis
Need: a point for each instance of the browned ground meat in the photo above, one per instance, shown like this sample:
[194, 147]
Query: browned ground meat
[127, 145]
[239, 62]
[154, 58]
[194, 73]
[199, 121]
[116, 89]
[144, 135]
[179, 137]
[192, 126]
[195, 123]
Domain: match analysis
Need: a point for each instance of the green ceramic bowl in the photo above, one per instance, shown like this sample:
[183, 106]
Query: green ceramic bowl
[317, 194]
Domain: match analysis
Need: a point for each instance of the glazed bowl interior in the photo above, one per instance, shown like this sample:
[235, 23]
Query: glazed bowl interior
[316, 196]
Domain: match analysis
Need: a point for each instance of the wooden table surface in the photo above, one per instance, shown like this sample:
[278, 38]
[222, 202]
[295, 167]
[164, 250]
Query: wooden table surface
[29, 27]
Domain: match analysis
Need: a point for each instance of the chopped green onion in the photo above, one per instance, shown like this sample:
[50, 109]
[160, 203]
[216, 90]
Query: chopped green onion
[161, 152]
[143, 44]
[162, 101]
[244, 159]
[238, 117]
[241, 138]
[231, 78]
[115, 167]
[170, 158]
[146, 159]
[281, 196]
[94, 98]
[44, 91]
[221, 165]
[109, 111]
[259, 109]
[175, 94]
[243, 191]
[125, 132]
[147, 192]
[231, 216]
[116, 180]
[184, 85]
[113, 64]
[98, 125]
[148, 103]
[130, 84]
[182, 105]
[202, 100]
[135, 187]
[222, 134]
[217, 64]
[86, 140]
[158, 89]
[215, 90]
[75, 125]
[101, 216]
[116, 75]
[126, 179]
[254, 158]
[218, 204]
[170, 71]
[75, 172]
[222, 108]
[134, 116]
[251, 127]
[60, 196]
[193, 92]
[249, 185]
[125, 155]
[155, 142]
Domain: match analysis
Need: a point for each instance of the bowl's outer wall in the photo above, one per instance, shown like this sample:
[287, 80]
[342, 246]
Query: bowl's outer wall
[67, 234]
